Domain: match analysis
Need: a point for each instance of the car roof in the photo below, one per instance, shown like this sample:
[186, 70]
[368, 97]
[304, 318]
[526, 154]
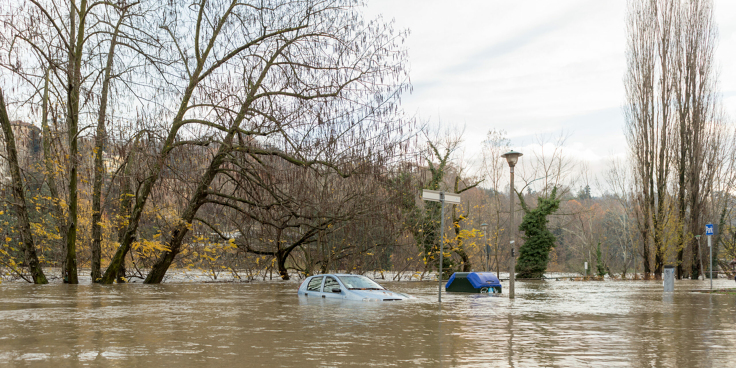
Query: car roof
[336, 274]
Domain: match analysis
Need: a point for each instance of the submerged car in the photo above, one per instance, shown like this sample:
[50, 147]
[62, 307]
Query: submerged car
[347, 287]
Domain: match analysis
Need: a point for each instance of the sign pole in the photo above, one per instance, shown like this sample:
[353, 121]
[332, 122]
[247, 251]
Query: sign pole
[442, 242]
[710, 248]
[442, 197]
[709, 232]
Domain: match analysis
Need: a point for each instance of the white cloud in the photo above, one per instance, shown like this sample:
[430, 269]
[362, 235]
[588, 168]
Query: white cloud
[530, 67]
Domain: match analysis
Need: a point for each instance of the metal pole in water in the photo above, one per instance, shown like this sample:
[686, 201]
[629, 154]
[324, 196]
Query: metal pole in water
[512, 265]
[711, 262]
[511, 158]
[442, 241]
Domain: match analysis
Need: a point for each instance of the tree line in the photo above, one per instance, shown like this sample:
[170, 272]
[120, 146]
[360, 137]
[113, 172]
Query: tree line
[201, 108]
[249, 138]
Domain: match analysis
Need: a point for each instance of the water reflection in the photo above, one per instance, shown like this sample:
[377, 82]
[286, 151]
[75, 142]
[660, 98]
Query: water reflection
[551, 323]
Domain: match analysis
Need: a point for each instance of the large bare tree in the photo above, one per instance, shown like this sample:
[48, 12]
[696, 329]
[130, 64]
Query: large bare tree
[24, 224]
[311, 80]
[672, 121]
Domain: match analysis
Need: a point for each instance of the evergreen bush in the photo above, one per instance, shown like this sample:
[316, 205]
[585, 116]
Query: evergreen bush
[538, 240]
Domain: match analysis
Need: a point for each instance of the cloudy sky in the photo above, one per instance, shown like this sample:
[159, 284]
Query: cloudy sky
[531, 67]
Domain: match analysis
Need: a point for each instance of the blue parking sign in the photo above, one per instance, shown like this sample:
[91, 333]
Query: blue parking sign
[709, 229]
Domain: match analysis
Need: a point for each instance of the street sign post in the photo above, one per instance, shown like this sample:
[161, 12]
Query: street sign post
[442, 197]
[709, 232]
[434, 196]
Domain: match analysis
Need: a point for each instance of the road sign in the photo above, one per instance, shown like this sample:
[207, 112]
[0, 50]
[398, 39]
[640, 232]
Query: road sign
[709, 229]
[434, 196]
[442, 197]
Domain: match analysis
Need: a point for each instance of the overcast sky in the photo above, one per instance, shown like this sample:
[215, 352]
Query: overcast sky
[531, 67]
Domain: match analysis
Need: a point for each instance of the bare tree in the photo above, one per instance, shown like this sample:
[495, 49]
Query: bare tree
[619, 183]
[24, 223]
[494, 169]
[100, 133]
[672, 118]
[304, 81]
[649, 121]
[62, 38]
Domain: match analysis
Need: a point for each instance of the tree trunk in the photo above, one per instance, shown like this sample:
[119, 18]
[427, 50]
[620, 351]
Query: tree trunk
[99, 169]
[281, 262]
[158, 271]
[59, 217]
[644, 230]
[73, 93]
[199, 197]
[467, 266]
[24, 224]
[681, 202]
[465, 259]
[697, 261]
[147, 186]
[124, 213]
[645, 256]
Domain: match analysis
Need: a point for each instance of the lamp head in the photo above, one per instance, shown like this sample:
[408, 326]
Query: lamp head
[483, 227]
[512, 157]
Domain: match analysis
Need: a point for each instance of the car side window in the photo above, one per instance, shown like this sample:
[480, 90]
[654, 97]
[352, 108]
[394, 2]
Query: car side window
[330, 283]
[314, 284]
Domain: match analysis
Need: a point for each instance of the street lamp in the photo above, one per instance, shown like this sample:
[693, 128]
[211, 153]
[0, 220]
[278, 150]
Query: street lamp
[512, 157]
[484, 227]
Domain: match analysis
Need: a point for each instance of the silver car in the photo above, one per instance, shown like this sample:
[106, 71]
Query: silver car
[347, 287]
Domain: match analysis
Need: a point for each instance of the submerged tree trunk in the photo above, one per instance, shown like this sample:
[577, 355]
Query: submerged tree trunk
[147, 185]
[126, 195]
[281, 263]
[644, 231]
[74, 75]
[99, 169]
[24, 224]
[158, 271]
[49, 165]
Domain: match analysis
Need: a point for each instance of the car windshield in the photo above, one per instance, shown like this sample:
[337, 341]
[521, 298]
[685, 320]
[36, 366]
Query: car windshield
[359, 282]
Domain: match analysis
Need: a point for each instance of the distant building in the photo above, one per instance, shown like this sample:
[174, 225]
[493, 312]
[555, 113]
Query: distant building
[28, 141]
[111, 161]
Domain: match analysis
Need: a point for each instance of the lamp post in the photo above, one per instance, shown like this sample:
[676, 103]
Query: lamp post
[512, 157]
[484, 227]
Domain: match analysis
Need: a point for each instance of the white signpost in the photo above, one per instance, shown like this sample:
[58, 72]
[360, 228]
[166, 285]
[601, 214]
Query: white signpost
[709, 233]
[442, 197]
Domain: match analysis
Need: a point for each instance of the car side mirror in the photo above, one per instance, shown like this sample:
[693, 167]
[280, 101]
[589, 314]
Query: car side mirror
[335, 290]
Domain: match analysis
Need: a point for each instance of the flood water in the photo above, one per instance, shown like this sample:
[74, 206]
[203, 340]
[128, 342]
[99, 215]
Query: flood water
[550, 324]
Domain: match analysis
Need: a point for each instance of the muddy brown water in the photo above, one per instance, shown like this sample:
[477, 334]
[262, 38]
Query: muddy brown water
[549, 324]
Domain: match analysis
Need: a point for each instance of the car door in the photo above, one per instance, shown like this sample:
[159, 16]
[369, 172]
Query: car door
[330, 285]
[314, 287]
